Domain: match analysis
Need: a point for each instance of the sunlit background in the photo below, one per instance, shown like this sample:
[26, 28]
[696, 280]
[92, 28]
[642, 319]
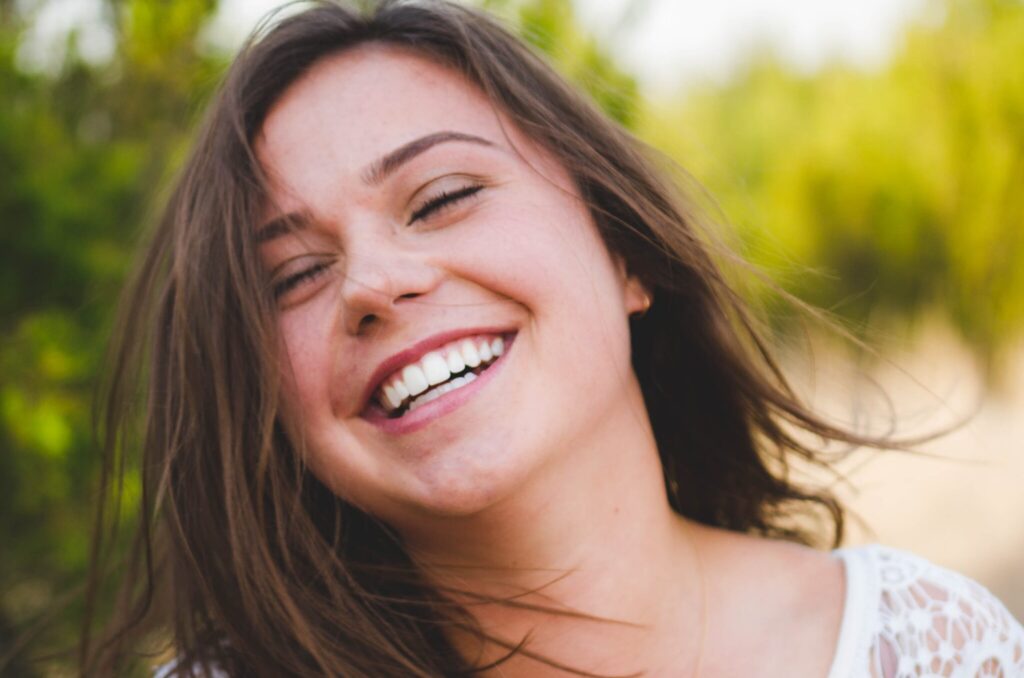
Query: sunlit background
[868, 155]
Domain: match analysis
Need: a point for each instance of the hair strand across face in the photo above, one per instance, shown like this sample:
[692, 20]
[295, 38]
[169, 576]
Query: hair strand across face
[246, 558]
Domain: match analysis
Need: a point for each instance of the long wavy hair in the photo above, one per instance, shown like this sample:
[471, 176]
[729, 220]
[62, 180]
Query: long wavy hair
[245, 559]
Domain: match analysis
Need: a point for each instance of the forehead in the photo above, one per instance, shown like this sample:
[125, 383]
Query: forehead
[350, 107]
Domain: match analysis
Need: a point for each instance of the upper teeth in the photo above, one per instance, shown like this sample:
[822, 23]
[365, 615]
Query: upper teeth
[437, 367]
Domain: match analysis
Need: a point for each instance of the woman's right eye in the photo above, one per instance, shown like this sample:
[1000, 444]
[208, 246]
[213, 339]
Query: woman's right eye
[294, 280]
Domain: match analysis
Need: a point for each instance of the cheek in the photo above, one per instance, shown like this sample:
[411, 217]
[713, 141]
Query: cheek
[545, 252]
[309, 409]
[551, 260]
[302, 352]
[310, 364]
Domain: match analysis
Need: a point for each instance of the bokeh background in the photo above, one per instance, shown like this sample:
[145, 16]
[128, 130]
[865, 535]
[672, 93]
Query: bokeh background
[868, 156]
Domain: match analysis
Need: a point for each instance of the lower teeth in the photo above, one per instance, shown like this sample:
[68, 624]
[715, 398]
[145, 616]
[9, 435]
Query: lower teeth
[447, 387]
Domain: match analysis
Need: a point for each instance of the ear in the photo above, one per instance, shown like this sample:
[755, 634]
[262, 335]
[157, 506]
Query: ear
[636, 297]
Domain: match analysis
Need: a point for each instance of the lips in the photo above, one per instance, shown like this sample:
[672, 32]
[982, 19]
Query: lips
[433, 367]
[439, 371]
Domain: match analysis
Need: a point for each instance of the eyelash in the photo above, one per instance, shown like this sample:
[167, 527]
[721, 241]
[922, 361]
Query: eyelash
[445, 199]
[293, 281]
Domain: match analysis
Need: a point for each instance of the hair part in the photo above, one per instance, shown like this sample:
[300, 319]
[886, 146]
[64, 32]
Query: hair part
[260, 569]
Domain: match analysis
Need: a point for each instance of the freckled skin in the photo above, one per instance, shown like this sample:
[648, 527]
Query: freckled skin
[521, 254]
[552, 466]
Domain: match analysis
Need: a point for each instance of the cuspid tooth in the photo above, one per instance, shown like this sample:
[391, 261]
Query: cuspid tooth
[400, 389]
[455, 362]
[392, 401]
[469, 353]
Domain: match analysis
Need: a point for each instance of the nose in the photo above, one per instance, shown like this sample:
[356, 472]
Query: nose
[380, 276]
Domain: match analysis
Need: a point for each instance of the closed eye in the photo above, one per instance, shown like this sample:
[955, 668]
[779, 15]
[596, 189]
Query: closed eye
[445, 199]
[291, 282]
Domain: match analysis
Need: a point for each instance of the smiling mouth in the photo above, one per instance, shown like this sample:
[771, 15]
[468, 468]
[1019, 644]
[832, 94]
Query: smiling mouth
[438, 372]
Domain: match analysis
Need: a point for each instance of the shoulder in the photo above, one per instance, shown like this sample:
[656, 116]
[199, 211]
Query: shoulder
[792, 579]
[916, 618]
[781, 604]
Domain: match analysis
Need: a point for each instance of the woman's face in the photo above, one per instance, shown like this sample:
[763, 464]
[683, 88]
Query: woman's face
[428, 228]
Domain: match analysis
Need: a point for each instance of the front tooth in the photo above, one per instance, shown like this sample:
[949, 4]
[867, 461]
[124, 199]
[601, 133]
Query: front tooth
[455, 362]
[435, 368]
[391, 396]
[415, 380]
[498, 347]
[485, 350]
[469, 353]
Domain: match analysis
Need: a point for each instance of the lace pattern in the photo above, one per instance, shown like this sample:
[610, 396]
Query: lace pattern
[933, 622]
[919, 621]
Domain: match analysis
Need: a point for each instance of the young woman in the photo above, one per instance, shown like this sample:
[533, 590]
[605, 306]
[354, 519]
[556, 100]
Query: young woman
[442, 380]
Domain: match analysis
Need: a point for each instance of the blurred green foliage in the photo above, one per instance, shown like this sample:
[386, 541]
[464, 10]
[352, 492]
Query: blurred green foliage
[84, 151]
[550, 25]
[904, 186]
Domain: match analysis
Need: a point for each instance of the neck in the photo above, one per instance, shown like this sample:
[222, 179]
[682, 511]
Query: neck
[603, 575]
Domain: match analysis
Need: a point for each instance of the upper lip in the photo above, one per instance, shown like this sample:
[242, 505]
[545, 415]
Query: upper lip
[417, 351]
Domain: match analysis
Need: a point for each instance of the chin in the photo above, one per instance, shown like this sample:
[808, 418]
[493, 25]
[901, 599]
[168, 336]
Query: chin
[463, 485]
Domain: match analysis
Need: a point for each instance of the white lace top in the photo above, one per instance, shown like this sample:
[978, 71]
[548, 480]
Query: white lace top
[907, 618]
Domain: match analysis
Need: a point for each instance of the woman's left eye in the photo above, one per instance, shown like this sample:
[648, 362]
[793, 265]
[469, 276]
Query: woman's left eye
[444, 200]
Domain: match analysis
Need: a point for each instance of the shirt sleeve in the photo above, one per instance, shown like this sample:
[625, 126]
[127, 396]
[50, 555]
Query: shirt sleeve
[933, 622]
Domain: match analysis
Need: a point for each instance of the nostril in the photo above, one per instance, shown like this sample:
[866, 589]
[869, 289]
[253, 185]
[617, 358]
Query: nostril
[410, 295]
[366, 322]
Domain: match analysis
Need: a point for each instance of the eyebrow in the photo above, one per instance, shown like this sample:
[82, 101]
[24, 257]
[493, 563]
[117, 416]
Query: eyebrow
[379, 170]
[375, 173]
[278, 226]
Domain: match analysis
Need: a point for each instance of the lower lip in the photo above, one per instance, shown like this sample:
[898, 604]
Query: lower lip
[435, 409]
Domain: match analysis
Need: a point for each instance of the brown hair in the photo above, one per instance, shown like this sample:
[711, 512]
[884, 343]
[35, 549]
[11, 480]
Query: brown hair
[261, 568]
